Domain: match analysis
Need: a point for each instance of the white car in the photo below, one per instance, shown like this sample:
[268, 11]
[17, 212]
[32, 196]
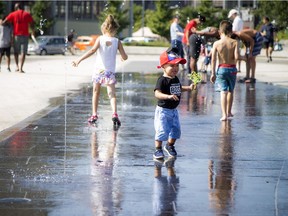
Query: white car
[138, 39]
[46, 45]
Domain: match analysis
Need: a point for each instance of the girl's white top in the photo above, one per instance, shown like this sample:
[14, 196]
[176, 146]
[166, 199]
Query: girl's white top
[106, 54]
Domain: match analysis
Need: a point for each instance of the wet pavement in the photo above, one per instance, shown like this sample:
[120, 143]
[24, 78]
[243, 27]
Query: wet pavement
[60, 165]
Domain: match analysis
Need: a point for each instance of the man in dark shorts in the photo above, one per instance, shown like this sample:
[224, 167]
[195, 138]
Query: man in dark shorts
[195, 44]
[21, 21]
[268, 33]
[190, 29]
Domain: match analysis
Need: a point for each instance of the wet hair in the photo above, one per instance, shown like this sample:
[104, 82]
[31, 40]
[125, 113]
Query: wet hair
[110, 25]
[225, 27]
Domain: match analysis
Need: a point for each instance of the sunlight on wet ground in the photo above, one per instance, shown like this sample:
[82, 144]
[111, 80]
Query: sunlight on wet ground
[238, 167]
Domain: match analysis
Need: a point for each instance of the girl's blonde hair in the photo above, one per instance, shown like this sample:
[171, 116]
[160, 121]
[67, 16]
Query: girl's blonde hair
[110, 25]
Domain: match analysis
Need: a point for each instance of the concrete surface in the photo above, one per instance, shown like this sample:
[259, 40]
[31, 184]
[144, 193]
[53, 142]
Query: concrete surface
[49, 77]
[57, 164]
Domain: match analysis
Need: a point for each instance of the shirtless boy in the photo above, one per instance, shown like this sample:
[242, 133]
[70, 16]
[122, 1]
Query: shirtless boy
[227, 50]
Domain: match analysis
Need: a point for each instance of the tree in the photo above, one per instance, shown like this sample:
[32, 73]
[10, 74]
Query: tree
[2, 9]
[116, 8]
[159, 20]
[41, 13]
[275, 10]
[137, 14]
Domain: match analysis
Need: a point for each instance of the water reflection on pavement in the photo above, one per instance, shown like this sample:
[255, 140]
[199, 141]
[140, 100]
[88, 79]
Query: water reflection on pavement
[237, 167]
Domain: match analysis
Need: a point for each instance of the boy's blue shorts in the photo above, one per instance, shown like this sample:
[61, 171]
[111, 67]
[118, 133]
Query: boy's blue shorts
[166, 123]
[226, 77]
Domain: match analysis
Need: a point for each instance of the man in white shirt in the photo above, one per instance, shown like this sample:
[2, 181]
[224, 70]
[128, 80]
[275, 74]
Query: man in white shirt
[237, 26]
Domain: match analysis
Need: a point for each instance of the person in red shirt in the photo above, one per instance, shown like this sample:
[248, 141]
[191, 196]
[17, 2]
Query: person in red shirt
[21, 21]
[190, 29]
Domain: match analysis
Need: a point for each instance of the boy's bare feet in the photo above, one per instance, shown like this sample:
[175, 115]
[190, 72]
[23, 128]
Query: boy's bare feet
[224, 118]
[230, 115]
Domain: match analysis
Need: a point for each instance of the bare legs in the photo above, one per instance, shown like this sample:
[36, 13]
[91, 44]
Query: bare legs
[226, 105]
[96, 94]
[269, 51]
[112, 96]
[22, 60]
[158, 144]
[193, 64]
[95, 97]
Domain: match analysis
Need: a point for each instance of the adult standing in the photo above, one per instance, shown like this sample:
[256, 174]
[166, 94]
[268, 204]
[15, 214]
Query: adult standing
[192, 45]
[21, 21]
[71, 39]
[268, 32]
[237, 26]
[176, 34]
[5, 42]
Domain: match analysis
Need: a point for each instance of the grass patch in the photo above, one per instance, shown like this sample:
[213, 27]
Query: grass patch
[282, 35]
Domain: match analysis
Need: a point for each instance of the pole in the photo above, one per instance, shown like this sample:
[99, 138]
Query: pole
[131, 18]
[143, 14]
[66, 18]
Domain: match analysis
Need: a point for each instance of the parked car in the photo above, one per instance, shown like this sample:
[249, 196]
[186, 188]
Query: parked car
[85, 42]
[46, 45]
[138, 39]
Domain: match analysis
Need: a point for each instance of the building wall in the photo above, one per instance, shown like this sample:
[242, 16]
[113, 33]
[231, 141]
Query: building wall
[81, 27]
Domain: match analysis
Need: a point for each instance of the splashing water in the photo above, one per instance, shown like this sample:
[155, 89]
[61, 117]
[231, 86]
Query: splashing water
[41, 24]
[122, 5]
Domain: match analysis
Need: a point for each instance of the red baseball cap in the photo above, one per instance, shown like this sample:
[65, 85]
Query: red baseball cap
[170, 58]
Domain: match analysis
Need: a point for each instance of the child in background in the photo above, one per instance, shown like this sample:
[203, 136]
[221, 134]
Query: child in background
[207, 60]
[168, 92]
[227, 50]
[106, 47]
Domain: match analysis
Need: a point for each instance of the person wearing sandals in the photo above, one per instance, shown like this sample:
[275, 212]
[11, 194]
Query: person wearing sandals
[106, 47]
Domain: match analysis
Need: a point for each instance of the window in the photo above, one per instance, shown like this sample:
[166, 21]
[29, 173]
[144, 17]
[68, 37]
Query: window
[79, 10]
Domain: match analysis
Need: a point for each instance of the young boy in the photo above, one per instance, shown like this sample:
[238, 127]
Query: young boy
[228, 53]
[168, 92]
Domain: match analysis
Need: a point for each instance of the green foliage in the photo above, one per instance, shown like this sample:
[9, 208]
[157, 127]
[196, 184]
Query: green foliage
[2, 9]
[120, 14]
[159, 20]
[42, 16]
[137, 15]
[275, 10]
[213, 15]
[282, 35]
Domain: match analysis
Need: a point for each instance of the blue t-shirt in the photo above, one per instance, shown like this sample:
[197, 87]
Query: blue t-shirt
[170, 86]
[269, 29]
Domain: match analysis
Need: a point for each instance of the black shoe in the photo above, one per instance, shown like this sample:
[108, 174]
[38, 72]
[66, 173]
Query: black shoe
[170, 150]
[270, 58]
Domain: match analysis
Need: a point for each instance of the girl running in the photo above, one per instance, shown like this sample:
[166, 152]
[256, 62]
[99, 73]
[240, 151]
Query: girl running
[106, 47]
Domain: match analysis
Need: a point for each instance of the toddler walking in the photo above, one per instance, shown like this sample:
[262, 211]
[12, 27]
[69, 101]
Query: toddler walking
[168, 92]
[106, 47]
